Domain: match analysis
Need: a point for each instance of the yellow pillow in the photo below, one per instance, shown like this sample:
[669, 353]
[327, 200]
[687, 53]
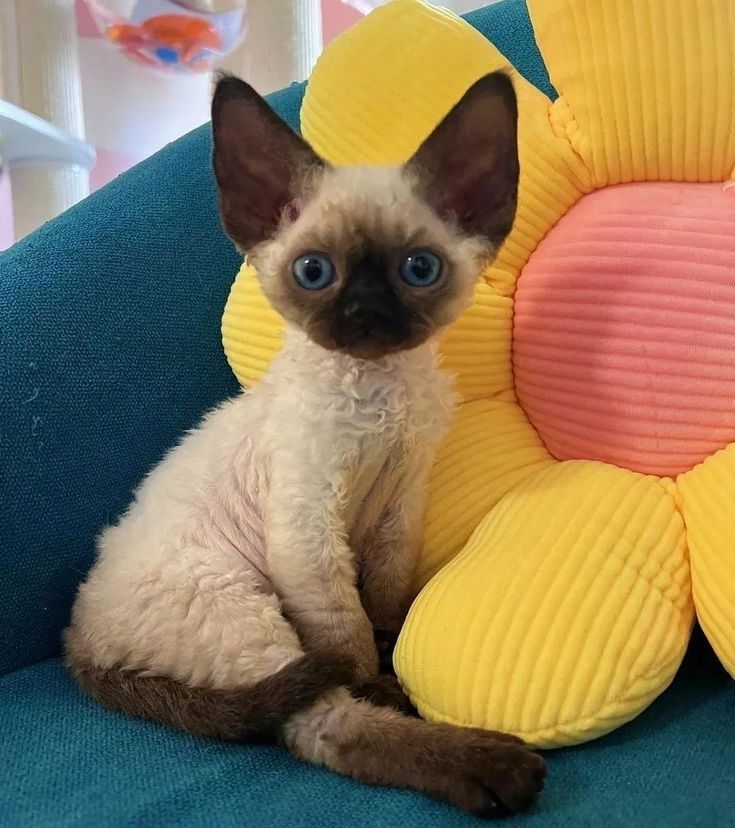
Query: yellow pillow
[583, 506]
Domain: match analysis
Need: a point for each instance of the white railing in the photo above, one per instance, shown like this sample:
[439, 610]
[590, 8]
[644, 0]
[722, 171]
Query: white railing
[39, 75]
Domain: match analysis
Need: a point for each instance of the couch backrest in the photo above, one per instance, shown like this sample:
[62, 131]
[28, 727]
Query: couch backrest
[110, 348]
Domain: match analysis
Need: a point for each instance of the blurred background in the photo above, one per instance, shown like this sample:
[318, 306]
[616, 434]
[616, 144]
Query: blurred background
[88, 88]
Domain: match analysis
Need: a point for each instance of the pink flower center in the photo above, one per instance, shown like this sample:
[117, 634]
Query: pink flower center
[624, 328]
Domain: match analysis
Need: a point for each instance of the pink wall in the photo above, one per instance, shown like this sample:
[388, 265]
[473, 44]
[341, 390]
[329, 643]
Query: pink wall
[336, 17]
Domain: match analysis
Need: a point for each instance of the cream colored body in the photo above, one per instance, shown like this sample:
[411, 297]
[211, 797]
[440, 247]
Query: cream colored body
[265, 507]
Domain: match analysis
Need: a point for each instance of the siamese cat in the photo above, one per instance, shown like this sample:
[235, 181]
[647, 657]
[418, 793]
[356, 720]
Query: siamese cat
[239, 595]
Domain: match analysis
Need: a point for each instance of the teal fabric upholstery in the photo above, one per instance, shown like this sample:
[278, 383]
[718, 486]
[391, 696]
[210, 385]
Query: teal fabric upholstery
[508, 25]
[66, 761]
[109, 350]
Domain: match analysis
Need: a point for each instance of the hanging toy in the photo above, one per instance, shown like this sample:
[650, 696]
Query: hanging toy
[169, 34]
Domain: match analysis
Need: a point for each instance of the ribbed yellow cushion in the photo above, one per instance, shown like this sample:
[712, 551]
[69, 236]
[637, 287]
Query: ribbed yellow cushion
[568, 609]
[708, 495]
[489, 449]
[558, 599]
[645, 86]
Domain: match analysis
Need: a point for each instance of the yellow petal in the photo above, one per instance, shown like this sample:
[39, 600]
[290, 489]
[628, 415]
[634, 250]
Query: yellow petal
[708, 496]
[566, 614]
[490, 449]
[379, 88]
[251, 329]
[646, 87]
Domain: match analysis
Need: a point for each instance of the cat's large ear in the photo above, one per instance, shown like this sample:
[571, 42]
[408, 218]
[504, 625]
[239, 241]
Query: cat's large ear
[259, 162]
[468, 166]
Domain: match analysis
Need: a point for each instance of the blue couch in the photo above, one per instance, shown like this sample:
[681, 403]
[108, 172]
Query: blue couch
[109, 350]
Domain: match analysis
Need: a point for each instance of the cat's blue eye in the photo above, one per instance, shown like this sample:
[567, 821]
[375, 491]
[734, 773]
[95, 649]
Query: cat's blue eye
[314, 271]
[421, 268]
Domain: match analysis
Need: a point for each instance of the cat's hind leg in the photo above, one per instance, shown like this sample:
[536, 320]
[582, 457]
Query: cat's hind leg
[199, 643]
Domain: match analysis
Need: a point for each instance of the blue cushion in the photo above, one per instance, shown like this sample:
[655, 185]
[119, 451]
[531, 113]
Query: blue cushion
[508, 25]
[74, 763]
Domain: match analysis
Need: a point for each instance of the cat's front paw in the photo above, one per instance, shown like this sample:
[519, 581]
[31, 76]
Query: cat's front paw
[342, 634]
[359, 643]
[365, 657]
[359, 647]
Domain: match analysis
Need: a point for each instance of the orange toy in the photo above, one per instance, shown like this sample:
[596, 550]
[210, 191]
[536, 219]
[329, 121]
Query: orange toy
[167, 40]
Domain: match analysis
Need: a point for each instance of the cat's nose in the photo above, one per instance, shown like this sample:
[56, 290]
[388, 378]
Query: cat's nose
[361, 315]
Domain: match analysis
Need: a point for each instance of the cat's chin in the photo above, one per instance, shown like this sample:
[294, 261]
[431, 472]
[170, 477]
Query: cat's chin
[371, 350]
[372, 354]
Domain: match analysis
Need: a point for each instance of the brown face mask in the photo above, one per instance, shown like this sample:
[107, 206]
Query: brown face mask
[368, 261]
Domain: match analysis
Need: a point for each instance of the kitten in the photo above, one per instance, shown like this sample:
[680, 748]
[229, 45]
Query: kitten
[238, 595]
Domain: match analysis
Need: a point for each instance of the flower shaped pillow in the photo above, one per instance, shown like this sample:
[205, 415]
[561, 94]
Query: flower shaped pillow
[582, 509]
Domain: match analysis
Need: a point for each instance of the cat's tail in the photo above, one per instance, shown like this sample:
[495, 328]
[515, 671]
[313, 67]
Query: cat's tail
[309, 705]
[490, 774]
[239, 714]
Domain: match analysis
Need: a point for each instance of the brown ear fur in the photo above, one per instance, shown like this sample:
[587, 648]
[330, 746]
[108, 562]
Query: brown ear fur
[468, 166]
[259, 162]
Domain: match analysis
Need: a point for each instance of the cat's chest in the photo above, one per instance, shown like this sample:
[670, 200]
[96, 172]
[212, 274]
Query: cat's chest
[382, 411]
[342, 421]
[402, 417]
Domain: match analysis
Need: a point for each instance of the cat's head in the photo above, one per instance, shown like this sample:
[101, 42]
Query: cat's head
[368, 260]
